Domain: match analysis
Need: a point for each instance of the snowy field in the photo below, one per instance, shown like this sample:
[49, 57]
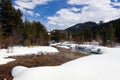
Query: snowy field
[105, 66]
[21, 51]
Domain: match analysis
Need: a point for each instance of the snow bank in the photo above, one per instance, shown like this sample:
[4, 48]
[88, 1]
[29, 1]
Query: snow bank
[66, 45]
[20, 50]
[87, 48]
[31, 50]
[95, 67]
[82, 48]
[90, 49]
[18, 70]
[5, 60]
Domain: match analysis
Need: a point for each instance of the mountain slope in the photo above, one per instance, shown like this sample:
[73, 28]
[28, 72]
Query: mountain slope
[81, 26]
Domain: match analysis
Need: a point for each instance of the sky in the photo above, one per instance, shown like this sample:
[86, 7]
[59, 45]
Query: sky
[61, 14]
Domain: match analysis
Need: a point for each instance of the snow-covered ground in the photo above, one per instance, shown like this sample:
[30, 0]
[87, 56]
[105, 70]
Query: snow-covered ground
[66, 45]
[90, 49]
[105, 66]
[20, 50]
[82, 48]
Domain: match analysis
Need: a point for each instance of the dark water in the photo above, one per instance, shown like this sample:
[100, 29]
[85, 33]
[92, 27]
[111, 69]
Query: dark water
[80, 51]
[84, 51]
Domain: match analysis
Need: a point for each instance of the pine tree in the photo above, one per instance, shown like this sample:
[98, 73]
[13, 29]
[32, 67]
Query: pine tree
[82, 37]
[111, 34]
[11, 22]
[98, 37]
[8, 21]
[7, 15]
[0, 12]
[117, 30]
[1, 37]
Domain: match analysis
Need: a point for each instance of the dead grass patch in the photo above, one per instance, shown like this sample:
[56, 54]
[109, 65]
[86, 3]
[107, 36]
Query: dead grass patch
[37, 60]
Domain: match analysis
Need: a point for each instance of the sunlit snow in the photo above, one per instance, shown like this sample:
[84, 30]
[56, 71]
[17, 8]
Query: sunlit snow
[21, 51]
[105, 66]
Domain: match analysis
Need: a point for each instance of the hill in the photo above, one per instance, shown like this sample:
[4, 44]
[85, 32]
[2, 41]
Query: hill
[106, 33]
[81, 26]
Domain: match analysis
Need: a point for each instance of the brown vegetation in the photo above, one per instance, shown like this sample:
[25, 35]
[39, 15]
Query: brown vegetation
[38, 60]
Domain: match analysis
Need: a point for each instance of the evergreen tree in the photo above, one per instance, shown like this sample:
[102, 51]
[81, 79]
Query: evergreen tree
[34, 33]
[8, 21]
[98, 37]
[7, 16]
[0, 12]
[117, 30]
[18, 29]
[111, 33]
[82, 37]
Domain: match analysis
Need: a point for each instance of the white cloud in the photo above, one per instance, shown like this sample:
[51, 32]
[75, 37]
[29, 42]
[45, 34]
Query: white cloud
[27, 6]
[30, 13]
[40, 2]
[115, 0]
[74, 9]
[92, 10]
[116, 4]
[37, 14]
[88, 2]
[30, 4]
[64, 17]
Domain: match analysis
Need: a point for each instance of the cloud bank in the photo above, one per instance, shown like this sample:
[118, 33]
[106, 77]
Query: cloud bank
[94, 10]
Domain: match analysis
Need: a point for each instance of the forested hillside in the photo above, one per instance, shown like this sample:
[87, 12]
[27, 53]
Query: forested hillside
[81, 26]
[105, 33]
[13, 31]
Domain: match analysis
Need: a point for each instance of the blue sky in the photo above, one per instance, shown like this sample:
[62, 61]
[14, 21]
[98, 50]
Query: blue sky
[61, 14]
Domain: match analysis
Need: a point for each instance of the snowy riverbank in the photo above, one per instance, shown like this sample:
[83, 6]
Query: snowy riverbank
[21, 51]
[105, 66]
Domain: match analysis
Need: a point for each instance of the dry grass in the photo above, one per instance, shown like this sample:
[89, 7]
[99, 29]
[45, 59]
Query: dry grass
[38, 60]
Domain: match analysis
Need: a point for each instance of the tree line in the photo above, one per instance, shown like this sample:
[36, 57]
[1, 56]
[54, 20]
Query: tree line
[105, 33]
[15, 31]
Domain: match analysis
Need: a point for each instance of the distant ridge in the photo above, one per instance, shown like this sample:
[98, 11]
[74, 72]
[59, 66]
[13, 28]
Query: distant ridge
[81, 26]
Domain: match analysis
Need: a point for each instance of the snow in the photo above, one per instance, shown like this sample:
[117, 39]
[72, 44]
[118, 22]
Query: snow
[66, 47]
[18, 70]
[105, 66]
[21, 51]
[82, 48]
[5, 60]
[55, 44]
[90, 49]
[70, 45]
